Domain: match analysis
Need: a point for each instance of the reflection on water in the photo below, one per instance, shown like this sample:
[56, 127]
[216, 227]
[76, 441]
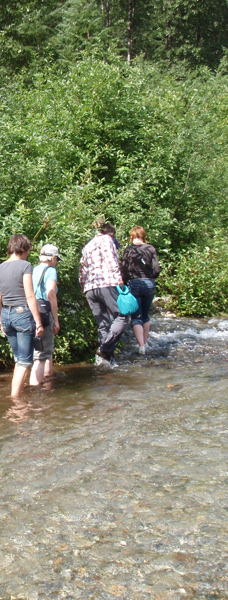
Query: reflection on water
[114, 483]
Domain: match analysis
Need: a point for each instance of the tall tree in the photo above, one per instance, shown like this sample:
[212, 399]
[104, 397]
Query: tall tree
[131, 11]
[183, 29]
[26, 28]
[195, 31]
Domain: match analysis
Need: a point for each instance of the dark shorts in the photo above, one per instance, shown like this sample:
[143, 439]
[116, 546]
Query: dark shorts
[48, 343]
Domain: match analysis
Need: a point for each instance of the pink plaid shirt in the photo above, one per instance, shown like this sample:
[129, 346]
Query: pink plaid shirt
[99, 265]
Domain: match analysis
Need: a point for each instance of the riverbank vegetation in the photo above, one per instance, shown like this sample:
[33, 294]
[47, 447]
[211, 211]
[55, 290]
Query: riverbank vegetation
[104, 113]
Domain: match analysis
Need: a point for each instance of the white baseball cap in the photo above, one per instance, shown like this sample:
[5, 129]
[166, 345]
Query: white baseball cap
[50, 250]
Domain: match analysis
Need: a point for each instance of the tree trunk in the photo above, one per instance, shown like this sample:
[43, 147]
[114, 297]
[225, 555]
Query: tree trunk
[105, 8]
[131, 11]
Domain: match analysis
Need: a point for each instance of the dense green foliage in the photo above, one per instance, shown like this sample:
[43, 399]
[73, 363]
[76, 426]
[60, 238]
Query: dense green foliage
[196, 280]
[86, 133]
[59, 30]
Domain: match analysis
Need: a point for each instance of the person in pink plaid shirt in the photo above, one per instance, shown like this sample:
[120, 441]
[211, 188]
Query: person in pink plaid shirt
[99, 275]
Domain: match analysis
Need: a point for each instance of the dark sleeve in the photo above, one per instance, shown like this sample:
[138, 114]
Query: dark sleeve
[125, 267]
[155, 264]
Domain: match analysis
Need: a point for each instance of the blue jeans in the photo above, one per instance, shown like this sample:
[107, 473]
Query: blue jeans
[19, 326]
[143, 290]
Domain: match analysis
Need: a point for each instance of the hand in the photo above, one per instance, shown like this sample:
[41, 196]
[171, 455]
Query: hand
[56, 327]
[121, 284]
[39, 330]
[2, 330]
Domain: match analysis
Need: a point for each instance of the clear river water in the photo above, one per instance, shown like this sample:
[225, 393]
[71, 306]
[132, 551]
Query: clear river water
[114, 482]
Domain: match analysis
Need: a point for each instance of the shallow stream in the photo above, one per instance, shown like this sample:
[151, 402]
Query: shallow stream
[114, 482]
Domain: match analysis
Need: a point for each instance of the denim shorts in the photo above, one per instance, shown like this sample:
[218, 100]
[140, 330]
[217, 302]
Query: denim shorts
[143, 290]
[19, 326]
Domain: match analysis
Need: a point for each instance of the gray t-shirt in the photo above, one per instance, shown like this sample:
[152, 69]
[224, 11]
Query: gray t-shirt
[11, 282]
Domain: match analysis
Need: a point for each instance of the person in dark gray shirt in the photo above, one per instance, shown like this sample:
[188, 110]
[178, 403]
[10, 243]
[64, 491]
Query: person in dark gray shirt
[20, 317]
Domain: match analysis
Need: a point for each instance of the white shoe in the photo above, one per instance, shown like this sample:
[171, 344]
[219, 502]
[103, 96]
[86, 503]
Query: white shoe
[142, 350]
[98, 360]
[102, 362]
[113, 363]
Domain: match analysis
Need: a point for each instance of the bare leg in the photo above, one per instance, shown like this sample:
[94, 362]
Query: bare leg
[18, 380]
[48, 368]
[146, 329]
[139, 334]
[37, 372]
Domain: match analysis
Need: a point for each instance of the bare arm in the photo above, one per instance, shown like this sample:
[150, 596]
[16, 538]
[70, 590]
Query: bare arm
[32, 303]
[0, 315]
[82, 270]
[52, 297]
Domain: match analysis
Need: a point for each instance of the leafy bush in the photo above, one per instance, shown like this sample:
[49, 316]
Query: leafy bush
[128, 143]
[197, 280]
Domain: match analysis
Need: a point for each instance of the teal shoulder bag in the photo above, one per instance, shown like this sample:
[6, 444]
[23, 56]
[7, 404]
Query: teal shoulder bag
[126, 302]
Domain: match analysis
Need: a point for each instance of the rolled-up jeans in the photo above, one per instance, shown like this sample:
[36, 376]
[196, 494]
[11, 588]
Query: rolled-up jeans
[143, 290]
[19, 326]
[111, 323]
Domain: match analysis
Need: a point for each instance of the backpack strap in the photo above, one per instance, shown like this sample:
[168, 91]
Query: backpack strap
[147, 269]
[150, 270]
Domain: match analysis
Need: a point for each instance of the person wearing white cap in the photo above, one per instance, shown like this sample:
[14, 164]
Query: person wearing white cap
[45, 287]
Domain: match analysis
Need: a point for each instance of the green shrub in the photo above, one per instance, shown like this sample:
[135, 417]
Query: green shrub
[132, 144]
[197, 280]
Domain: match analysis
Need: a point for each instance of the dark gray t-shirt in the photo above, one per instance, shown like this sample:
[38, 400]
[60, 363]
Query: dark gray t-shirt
[11, 282]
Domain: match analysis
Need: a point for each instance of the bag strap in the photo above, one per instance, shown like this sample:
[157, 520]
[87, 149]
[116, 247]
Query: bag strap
[41, 278]
[125, 289]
